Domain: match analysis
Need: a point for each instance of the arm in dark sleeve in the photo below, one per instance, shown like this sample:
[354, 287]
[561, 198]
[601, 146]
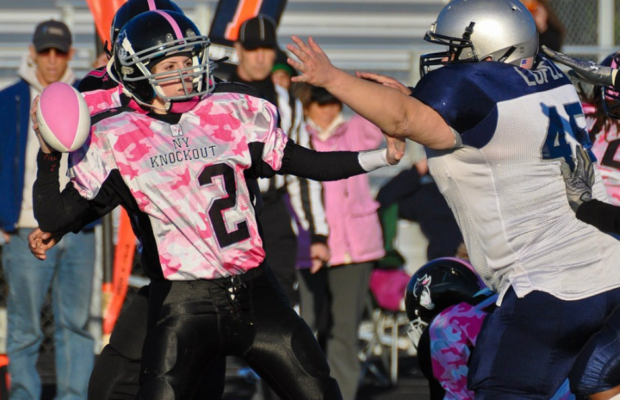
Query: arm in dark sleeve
[605, 217]
[64, 211]
[320, 166]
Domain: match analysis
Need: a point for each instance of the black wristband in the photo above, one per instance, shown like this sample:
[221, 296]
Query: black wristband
[48, 162]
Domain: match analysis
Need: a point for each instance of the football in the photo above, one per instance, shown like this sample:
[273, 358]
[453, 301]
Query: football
[63, 117]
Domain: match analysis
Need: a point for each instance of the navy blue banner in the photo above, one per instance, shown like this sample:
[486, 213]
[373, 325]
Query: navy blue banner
[230, 14]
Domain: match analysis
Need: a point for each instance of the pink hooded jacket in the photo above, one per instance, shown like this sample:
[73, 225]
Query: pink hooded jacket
[354, 229]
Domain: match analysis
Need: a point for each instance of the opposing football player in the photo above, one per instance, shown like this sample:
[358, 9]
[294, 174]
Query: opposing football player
[498, 121]
[444, 345]
[447, 304]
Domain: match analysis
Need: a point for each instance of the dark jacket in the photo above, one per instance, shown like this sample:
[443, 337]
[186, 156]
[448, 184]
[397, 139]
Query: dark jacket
[14, 124]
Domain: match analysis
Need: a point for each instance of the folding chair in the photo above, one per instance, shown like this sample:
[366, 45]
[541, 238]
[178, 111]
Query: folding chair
[383, 334]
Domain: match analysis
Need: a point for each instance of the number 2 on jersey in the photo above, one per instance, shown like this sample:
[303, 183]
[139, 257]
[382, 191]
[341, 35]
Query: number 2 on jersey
[218, 206]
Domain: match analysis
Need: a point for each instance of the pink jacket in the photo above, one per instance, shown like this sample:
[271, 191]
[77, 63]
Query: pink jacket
[354, 230]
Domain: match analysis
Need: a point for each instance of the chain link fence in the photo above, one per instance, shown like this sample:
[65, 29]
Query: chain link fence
[580, 19]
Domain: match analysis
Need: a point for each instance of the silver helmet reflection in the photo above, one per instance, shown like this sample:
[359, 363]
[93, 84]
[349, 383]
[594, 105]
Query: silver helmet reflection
[479, 30]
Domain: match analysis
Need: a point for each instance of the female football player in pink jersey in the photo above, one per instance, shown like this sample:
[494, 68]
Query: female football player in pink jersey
[183, 159]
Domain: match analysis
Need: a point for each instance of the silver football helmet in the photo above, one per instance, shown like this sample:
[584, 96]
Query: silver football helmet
[610, 97]
[476, 30]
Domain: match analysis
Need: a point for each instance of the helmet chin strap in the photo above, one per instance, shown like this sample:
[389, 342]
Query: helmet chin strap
[466, 38]
[175, 107]
[110, 70]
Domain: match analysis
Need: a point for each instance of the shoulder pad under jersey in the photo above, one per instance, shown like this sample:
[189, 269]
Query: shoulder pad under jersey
[97, 79]
[109, 113]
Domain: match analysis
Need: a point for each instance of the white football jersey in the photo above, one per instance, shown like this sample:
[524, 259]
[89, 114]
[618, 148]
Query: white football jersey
[505, 186]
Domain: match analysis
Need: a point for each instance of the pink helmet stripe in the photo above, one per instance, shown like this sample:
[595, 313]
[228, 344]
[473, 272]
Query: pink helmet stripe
[458, 260]
[173, 23]
[152, 5]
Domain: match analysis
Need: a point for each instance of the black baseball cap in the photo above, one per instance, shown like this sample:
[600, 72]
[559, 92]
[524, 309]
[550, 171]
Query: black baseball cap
[52, 35]
[322, 96]
[258, 32]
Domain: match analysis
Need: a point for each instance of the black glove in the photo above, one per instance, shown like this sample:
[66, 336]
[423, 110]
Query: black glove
[579, 182]
[587, 71]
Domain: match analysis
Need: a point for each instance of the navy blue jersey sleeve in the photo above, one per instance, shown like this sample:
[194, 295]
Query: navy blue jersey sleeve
[467, 95]
[461, 101]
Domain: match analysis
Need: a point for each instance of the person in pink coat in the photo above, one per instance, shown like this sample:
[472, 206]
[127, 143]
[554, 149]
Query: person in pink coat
[355, 240]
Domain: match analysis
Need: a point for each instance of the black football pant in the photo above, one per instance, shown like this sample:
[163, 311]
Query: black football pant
[193, 323]
[116, 374]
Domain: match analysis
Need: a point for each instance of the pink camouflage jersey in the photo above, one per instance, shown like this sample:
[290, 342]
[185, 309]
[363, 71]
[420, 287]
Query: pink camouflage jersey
[606, 148]
[453, 334]
[187, 177]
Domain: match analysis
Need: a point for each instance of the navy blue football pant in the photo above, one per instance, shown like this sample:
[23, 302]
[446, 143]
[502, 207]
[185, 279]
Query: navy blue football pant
[193, 323]
[598, 366]
[528, 346]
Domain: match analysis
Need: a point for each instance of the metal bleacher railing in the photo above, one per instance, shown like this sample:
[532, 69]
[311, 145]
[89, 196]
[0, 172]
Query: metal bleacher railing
[381, 39]
[383, 36]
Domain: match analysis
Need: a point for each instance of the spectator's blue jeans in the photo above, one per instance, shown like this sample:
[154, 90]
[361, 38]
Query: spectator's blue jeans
[69, 271]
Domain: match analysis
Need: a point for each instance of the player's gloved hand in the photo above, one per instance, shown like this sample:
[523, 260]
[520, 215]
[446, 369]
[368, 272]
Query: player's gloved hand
[587, 71]
[579, 181]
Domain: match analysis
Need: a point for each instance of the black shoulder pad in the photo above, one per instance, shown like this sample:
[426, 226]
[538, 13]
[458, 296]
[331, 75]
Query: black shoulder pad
[95, 80]
[109, 113]
[237, 87]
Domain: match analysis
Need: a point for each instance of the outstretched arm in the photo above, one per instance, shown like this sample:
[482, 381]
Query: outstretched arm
[395, 113]
[384, 80]
[587, 71]
[331, 165]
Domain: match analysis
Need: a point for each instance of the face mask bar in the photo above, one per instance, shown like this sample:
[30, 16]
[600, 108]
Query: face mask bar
[200, 71]
[455, 47]
[415, 330]
[197, 72]
[611, 102]
[611, 98]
